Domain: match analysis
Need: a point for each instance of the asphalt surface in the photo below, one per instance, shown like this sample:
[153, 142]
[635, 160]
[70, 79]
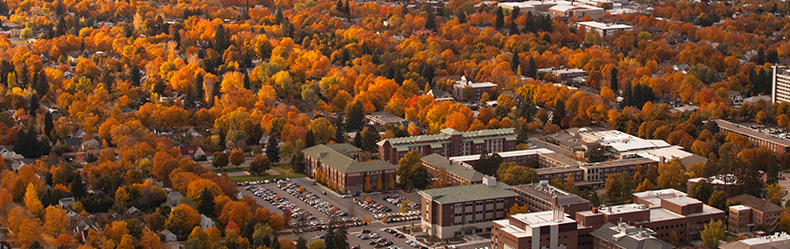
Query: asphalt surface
[345, 204]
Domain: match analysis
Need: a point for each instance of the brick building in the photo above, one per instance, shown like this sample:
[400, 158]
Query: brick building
[339, 162]
[547, 229]
[666, 212]
[759, 138]
[477, 88]
[543, 197]
[624, 236]
[753, 214]
[465, 210]
[449, 142]
[520, 157]
[460, 173]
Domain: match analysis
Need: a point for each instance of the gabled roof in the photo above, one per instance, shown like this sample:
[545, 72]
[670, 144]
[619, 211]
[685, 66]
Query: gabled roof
[453, 167]
[469, 193]
[189, 150]
[341, 162]
[757, 203]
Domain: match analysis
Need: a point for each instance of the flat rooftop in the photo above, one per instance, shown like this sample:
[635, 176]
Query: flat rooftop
[682, 200]
[600, 25]
[533, 220]
[621, 209]
[661, 214]
[562, 159]
[506, 154]
[739, 207]
[617, 163]
[746, 131]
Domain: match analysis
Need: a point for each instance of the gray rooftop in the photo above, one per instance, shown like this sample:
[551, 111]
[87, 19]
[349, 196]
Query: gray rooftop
[632, 240]
[453, 167]
[340, 161]
[749, 132]
[469, 193]
[447, 132]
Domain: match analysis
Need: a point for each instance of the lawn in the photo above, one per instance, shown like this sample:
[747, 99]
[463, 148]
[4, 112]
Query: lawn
[229, 169]
[265, 176]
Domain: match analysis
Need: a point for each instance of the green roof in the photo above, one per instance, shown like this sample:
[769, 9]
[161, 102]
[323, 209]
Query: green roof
[469, 193]
[336, 157]
[402, 143]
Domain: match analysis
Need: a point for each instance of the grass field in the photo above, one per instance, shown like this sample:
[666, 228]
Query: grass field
[229, 169]
[282, 175]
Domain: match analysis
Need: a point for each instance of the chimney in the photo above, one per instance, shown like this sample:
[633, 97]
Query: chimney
[489, 181]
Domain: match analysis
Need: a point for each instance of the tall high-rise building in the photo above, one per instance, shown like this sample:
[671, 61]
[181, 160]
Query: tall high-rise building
[780, 87]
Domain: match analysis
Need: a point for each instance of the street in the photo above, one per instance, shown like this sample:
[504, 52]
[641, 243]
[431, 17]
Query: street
[345, 204]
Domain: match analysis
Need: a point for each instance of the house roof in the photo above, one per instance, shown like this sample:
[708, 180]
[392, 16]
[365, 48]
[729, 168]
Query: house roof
[469, 193]
[757, 203]
[453, 167]
[189, 150]
[166, 232]
[342, 163]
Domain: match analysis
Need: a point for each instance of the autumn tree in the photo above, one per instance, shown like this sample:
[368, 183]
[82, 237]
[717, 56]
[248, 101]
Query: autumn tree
[774, 193]
[32, 202]
[718, 200]
[712, 234]
[673, 175]
[260, 164]
[412, 173]
[237, 157]
[182, 219]
[488, 163]
[701, 190]
[55, 221]
[221, 159]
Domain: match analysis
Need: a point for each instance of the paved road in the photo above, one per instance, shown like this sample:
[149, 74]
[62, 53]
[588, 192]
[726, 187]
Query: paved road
[345, 204]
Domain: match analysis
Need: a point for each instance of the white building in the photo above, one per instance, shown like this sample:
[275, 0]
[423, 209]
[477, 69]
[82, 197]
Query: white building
[780, 87]
[604, 29]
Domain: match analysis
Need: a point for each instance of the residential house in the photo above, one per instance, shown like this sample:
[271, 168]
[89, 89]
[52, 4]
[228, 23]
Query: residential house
[205, 222]
[91, 144]
[195, 152]
[173, 198]
[168, 236]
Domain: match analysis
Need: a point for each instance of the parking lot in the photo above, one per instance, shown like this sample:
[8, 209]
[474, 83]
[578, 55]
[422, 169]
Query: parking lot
[311, 208]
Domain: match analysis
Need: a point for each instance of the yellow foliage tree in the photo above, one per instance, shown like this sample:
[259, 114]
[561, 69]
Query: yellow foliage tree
[31, 200]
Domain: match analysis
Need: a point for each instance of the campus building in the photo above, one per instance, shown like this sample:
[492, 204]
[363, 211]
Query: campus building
[465, 210]
[753, 214]
[520, 157]
[449, 142]
[604, 29]
[340, 164]
[547, 229]
[668, 212]
[477, 88]
[460, 173]
[780, 87]
[759, 138]
[625, 236]
[778, 240]
[543, 197]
